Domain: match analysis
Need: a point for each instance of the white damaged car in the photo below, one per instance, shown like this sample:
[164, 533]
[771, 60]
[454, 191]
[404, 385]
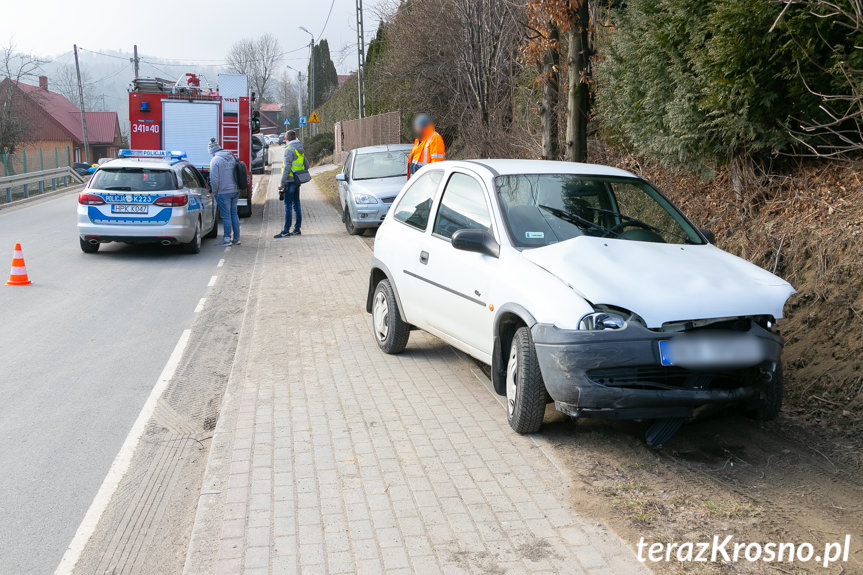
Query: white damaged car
[579, 284]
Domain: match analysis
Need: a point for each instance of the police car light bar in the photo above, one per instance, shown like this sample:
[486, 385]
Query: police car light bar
[174, 154]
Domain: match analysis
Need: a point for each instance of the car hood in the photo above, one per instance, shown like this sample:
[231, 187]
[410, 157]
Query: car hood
[383, 188]
[663, 282]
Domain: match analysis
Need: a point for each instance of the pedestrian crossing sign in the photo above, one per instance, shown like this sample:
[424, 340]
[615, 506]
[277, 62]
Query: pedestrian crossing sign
[314, 118]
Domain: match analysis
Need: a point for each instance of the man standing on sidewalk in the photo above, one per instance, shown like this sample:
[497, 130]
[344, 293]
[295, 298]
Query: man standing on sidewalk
[289, 189]
[224, 186]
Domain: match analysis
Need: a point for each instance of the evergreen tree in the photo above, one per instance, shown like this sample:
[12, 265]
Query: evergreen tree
[326, 78]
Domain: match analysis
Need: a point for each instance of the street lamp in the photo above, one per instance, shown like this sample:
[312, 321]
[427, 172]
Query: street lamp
[299, 96]
[312, 71]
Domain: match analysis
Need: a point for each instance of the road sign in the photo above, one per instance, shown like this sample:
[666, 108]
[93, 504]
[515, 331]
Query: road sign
[287, 122]
[314, 118]
[303, 121]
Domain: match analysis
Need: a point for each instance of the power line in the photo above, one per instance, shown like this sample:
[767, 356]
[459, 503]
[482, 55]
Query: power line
[327, 21]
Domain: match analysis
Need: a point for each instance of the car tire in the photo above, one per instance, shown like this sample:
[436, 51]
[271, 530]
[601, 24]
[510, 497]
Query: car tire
[194, 246]
[349, 224]
[769, 402]
[525, 390]
[390, 330]
[87, 247]
[245, 211]
[215, 231]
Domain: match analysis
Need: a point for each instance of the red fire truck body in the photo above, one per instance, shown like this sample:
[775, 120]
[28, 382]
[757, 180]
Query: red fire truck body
[182, 115]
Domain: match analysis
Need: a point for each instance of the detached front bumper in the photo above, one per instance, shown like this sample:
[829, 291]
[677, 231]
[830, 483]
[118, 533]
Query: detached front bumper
[618, 374]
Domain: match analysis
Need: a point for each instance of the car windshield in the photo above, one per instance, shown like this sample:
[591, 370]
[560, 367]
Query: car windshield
[548, 208]
[133, 180]
[381, 165]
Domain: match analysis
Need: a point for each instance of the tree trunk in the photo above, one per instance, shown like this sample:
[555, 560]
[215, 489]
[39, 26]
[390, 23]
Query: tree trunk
[550, 93]
[578, 69]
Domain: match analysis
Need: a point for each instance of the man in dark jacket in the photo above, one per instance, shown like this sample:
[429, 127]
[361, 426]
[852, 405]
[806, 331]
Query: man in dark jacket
[224, 187]
[289, 188]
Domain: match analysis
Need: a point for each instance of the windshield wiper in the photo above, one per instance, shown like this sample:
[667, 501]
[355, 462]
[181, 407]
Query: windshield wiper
[571, 218]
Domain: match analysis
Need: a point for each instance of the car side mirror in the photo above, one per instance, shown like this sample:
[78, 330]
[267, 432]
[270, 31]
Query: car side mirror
[477, 241]
[340, 177]
[708, 235]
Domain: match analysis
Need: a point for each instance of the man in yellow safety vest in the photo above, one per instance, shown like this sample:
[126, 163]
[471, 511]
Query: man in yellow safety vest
[294, 165]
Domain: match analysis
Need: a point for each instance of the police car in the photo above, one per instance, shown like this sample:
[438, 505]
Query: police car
[146, 196]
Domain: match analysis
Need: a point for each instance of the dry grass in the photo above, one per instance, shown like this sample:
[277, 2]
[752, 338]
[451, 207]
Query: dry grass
[328, 185]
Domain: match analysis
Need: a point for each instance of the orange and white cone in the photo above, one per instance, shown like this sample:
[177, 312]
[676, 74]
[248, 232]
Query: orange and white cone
[18, 275]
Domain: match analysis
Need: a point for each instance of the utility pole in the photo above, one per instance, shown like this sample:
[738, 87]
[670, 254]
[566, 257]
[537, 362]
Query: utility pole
[313, 129]
[361, 62]
[83, 113]
[136, 60]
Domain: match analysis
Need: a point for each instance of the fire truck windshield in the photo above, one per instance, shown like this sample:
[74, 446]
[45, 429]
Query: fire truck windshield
[133, 180]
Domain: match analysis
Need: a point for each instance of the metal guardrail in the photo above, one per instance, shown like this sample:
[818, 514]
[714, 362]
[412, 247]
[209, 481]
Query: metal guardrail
[44, 180]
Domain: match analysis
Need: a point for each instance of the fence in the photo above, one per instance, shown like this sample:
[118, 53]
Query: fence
[384, 128]
[27, 162]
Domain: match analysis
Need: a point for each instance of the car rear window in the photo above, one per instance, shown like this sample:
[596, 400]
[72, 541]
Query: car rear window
[133, 179]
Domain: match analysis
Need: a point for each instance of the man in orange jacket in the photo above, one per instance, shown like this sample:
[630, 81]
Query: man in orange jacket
[428, 145]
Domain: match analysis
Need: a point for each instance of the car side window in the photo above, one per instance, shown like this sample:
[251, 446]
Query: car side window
[349, 163]
[463, 207]
[198, 178]
[414, 208]
[189, 179]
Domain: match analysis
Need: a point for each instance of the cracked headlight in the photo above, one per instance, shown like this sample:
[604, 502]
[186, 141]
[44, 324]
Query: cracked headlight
[601, 320]
[365, 199]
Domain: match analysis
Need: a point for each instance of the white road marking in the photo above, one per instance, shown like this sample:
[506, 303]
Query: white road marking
[121, 463]
[212, 281]
[200, 305]
[221, 263]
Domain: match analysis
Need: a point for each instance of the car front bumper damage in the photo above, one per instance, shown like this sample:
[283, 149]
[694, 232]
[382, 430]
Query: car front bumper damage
[618, 374]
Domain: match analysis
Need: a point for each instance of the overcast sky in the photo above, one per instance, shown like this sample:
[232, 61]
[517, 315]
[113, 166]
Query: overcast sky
[191, 30]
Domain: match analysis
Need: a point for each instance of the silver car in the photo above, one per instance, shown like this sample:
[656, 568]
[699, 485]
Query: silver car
[146, 200]
[370, 180]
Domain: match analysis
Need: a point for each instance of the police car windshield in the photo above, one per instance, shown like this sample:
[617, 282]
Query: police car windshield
[133, 179]
[380, 165]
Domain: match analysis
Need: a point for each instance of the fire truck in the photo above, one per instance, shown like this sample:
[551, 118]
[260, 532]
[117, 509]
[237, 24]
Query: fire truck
[184, 114]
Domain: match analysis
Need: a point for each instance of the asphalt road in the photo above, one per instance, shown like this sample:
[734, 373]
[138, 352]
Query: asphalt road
[80, 350]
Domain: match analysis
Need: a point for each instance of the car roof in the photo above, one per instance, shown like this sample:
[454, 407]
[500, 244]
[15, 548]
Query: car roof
[146, 163]
[382, 148]
[501, 167]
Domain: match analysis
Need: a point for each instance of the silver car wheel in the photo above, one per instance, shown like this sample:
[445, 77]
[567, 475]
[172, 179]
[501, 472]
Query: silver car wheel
[198, 239]
[381, 315]
[512, 378]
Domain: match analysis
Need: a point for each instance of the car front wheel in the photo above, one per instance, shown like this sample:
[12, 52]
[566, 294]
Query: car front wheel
[391, 331]
[349, 224]
[766, 407]
[525, 390]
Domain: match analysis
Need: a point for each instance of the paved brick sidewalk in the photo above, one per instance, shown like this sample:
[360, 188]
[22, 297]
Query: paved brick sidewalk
[332, 457]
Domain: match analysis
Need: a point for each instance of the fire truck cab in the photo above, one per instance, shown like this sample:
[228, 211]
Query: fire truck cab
[184, 114]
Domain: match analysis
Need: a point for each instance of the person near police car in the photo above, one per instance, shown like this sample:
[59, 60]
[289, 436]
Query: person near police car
[224, 187]
[428, 145]
[295, 172]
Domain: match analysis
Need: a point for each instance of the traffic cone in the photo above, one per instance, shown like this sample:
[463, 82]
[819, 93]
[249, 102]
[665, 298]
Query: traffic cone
[18, 275]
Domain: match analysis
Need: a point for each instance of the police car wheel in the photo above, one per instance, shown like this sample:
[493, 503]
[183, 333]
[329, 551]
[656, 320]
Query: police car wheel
[87, 247]
[194, 246]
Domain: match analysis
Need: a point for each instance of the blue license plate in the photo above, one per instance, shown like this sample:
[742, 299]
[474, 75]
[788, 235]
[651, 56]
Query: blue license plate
[665, 353]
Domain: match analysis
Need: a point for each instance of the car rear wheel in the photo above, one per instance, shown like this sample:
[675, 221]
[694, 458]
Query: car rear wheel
[87, 247]
[349, 224]
[194, 246]
[391, 331]
[215, 230]
[525, 390]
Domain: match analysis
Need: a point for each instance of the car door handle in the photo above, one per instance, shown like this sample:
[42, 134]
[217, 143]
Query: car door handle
[424, 258]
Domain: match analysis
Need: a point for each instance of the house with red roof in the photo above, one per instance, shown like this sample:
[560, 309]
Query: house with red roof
[271, 119]
[55, 123]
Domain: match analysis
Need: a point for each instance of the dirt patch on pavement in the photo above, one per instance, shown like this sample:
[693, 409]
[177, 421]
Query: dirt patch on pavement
[726, 475]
